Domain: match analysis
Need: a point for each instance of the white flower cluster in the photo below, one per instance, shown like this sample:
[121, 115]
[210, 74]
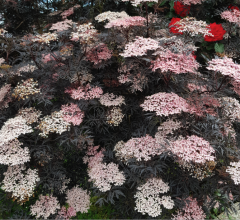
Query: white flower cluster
[231, 108]
[115, 116]
[148, 200]
[193, 27]
[53, 123]
[25, 88]
[85, 32]
[234, 171]
[20, 184]
[79, 199]
[45, 38]
[12, 154]
[137, 2]
[110, 16]
[109, 99]
[13, 128]
[45, 206]
[31, 115]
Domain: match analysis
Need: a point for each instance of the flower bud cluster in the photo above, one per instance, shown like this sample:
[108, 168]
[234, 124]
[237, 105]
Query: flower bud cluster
[26, 88]
[62, 25]
[79, 199]
[231, 16]
[66, 213]
[115, 116]
[137, 2]
[53, 123]
[198, 171]
[109, 99]
[148, 200]
[45, 206]
[20, 182]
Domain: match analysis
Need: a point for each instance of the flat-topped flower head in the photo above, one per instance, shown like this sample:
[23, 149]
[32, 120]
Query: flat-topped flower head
[165, 104]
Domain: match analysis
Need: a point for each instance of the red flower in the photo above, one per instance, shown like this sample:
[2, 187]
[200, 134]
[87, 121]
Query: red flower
[231, 7]
[217, 30]
[181, 9]
[194, 55]
[173, 28]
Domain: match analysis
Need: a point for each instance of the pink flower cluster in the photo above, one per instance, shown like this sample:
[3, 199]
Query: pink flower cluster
[231, 16]
[67, 13]
[140, 148]
[66, 213]
[148, 200]
[190, 211]
[78, 199]
[72, 114]
[62, 25]
[139, 47]
[101, 174]
[99, 53]
[177, 63]
[165, 104]
[194, 149]
[85, 92]
[225, 66]
[126, 22]
[45, 206]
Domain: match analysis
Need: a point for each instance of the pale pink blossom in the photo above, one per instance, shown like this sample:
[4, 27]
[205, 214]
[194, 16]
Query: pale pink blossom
[190, 211]
[62, 25]
[137, 2]
[72, 114]
[85, 92]
[66, 213]
[99, 53]
[194, 149]
[109, 99]
[143, 149]
[231, 16]
[67, 13]
[45, 206]
[78, 199]
[165, 104]
[126, 22]
[139, 47]
[176, 63]
[5, 96]
[234, 171]
[189, 2]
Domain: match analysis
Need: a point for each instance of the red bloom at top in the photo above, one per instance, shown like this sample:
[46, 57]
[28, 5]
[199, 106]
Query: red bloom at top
[217, 30]
[231, 7]
[181, 9]
[173, 28]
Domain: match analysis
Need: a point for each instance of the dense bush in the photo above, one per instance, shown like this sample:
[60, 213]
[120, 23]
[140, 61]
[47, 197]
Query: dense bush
[128, 113]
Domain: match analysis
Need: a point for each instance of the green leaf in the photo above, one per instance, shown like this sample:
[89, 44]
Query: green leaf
[163, 3]
[215, 211]
[171, 3]
[219, 48]
[170, 14]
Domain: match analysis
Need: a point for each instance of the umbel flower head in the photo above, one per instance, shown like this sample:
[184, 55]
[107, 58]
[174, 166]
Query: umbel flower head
[148, 200]
[165, 104]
